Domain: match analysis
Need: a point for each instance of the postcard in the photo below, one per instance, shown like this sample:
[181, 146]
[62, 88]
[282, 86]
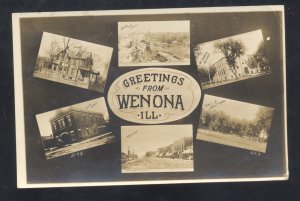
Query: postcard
[232, 59]
[150, 43]
[167, 148]
[235, 123]
[154, 123]
[74, 62]
[74, 128]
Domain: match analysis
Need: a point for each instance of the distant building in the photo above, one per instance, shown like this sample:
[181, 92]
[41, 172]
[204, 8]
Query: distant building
[129, 156]
[223, 72]
[182, 144]
[175, 149]
[124, 157]
[48, 141]
[76, 125]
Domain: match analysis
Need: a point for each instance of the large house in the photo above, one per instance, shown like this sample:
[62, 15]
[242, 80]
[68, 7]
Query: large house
[76, 125]
[223, 72]
[71, 65]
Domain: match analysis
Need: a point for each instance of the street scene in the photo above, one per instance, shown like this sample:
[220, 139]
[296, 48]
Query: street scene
[74, 62]
[232, 59]
[154, 42]
[143, 152]
[234, 123]
[155, 164]
[74, 128]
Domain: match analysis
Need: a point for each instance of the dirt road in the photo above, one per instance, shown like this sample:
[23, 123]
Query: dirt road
[155, 164]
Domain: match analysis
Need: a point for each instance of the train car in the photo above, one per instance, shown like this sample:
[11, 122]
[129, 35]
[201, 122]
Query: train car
[76, 125]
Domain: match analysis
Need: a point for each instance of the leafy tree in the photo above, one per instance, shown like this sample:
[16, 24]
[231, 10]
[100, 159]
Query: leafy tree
[203, 75]
[207, 75]
[261, 57]
[232, 49]
[221, 122]
[212, 72]
[252, 63]
[264, 119]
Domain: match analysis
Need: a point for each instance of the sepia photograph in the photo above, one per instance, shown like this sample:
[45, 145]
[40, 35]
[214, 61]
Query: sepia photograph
[143, 63]
[148, 43]
[74, 62]
[232, 59]
[167, 148]
[235, 123]
[74, 128]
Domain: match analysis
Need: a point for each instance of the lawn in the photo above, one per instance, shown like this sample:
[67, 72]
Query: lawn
[231, 140]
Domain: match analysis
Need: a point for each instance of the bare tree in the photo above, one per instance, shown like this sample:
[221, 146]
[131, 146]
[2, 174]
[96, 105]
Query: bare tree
[232, 49]
[63, 53]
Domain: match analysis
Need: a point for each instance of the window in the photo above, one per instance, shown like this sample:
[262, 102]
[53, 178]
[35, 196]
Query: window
[87, 131]
[69, 120]
[59, 124]
[63, 123]
[84, 120]
[54, 126]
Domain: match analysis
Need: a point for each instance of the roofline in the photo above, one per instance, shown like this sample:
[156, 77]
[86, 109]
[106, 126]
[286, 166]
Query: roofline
[73, 110]
[247, 55]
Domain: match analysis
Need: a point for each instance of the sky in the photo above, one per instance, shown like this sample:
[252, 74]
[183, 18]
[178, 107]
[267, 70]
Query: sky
[154, 26]
[102, 54]
[96, 105]
[235, 109]
[148, 138]
[251, 42]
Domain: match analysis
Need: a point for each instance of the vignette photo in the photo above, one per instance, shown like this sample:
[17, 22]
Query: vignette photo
[74, 128]
[157, 148]
[150, 43]
[232, 59]
[74, 62]
[234, 123]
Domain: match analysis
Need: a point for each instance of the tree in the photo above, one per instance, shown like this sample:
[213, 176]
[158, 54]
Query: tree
[62, 54]
[252, 63]
[206, 75]
[264, 119]
[212, 72]
[232, 49]
[261, 57]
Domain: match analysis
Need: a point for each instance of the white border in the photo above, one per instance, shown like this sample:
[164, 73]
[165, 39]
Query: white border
[18, 87]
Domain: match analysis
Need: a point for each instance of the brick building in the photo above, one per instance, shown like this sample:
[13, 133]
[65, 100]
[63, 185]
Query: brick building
[76, 125]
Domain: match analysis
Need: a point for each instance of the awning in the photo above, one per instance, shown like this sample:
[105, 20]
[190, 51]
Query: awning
[169, 154]
[188, 151]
